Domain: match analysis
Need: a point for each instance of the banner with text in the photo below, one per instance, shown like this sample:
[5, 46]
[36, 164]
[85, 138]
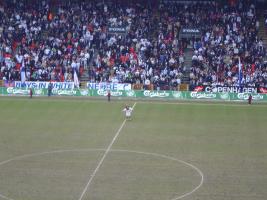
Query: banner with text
[42, 84]
[109, 86]
[190, 33]
[231, 89]
[142, 94]
[117, 29]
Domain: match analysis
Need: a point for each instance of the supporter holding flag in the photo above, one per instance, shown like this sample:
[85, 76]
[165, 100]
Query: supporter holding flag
[240, 74]
[76, 80]
[23, 72]
[50, 16]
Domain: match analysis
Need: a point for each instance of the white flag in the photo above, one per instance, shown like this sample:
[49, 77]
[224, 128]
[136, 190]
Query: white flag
[23, 72]
[76, 80]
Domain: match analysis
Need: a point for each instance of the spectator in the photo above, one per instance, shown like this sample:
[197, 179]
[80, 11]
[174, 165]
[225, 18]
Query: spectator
[53, 43]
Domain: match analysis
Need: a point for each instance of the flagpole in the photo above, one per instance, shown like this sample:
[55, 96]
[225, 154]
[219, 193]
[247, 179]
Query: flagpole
[239, 72]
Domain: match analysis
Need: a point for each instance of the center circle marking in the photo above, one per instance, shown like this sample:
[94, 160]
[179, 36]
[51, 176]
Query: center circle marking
[115, 150]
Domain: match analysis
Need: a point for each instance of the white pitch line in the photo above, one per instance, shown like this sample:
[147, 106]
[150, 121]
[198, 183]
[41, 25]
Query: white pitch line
[202, 103]
[4, 197]
[103, 158]
[175, 159]
[113, 150]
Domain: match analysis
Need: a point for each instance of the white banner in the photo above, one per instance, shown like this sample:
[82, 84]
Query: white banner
[41, 84]
[109, 86]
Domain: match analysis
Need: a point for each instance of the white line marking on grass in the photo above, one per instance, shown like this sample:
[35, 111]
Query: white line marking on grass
[115, 150]
[4, 197]
[203, 103]
[138, 100]
[103, 158]
[175, 159]
[40, 154]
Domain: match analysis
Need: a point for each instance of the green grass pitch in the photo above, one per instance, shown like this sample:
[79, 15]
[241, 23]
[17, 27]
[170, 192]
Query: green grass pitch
[51, 148]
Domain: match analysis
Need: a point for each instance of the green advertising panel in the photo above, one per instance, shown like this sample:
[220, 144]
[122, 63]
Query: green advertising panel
[141, 94]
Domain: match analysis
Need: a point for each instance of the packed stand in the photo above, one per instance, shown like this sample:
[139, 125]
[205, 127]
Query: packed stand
[229, 34]
[146, 54]
[44, 45]
[51, 42]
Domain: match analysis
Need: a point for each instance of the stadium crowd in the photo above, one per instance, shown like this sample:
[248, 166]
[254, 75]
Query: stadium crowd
[50, 45]
[45, 45]
[229, 33]
[50, 42]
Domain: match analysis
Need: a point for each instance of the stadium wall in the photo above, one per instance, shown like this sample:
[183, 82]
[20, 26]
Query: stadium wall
[136, 94]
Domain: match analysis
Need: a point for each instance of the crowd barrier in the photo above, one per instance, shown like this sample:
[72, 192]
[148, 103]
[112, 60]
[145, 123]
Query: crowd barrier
[141, 94]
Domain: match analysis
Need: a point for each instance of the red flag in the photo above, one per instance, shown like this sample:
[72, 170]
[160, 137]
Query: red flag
[253, 68]
[50, 16]
[198, 89]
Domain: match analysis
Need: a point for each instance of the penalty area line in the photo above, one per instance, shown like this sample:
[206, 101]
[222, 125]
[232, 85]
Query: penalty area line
[86, 188]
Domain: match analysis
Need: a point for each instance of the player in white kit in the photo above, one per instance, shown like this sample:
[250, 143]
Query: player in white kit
[128, 112]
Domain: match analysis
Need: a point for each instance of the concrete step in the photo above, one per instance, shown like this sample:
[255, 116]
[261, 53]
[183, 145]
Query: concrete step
[85, 74]
[83, 84]
[188, 70]
[84, 79]
[262, 32]
[188, 62]
[188, 57]
[185, 81]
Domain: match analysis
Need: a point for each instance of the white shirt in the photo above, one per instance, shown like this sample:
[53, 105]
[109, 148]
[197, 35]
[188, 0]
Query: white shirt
[74, 65]
[19, 58]
[128, 111]
[147, 82]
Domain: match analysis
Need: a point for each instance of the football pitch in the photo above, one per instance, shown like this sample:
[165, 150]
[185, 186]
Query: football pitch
[83, 149]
